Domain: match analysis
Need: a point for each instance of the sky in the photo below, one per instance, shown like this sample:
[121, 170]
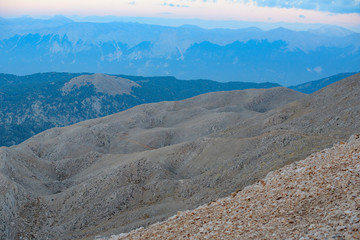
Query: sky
[344, 13]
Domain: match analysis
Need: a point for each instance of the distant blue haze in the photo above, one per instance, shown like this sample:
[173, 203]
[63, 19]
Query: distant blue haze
[280, 55]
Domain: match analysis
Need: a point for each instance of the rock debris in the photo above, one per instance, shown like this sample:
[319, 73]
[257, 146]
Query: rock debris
[316, 198]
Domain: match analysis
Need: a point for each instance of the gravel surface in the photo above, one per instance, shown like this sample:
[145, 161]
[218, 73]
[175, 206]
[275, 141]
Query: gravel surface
[316, 198]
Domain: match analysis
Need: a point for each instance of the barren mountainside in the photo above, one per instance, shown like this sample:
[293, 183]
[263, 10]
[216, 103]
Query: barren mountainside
[142, 165]
[34, 103]
[316, 198]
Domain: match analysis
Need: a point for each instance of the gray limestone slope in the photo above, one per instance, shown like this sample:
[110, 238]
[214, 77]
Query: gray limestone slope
[156, 125]
[34, 103]
[315, 198]
[61, 178]
[109, 175]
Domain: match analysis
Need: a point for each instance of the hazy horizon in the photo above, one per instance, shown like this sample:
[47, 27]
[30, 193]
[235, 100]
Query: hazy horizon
[72, 42]
[296, 15]
[177, 22]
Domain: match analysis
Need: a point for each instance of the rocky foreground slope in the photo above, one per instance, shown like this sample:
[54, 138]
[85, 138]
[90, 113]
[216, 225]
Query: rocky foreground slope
[316, 198]
[124, 171]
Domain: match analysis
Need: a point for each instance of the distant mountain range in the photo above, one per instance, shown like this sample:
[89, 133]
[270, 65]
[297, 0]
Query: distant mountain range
[130, 169]
[280, 55]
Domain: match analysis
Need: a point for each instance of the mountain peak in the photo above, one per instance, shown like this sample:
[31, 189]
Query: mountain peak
[103, 83]
[280, 29]
[61, 18]
[331, 30]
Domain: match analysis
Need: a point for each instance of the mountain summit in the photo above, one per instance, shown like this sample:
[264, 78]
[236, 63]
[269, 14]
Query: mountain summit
[103, 83]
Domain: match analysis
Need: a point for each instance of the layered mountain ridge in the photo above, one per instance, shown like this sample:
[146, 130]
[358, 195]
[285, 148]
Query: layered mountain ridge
[31, 104]
[123, 171]
[186, 52]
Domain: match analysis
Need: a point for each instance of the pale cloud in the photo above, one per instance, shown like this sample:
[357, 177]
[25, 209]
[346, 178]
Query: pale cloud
[317, 69]
[335, 6]
[175, 5]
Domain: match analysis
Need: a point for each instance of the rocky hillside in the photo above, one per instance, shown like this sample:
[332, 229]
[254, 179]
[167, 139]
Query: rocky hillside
[316, 198]
[31, 104]
[140, 166]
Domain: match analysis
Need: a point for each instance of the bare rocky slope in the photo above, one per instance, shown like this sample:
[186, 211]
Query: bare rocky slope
[316, 198]
[131, 169]
[34, 103]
